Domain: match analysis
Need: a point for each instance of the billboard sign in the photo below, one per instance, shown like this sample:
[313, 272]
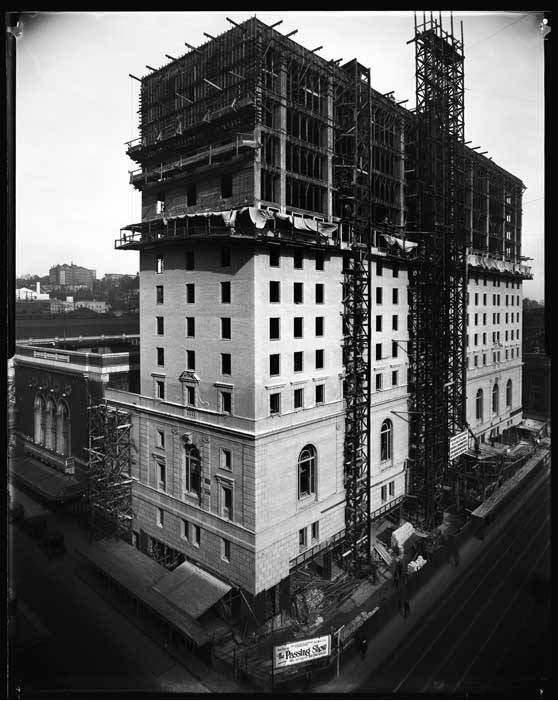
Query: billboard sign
[459, 444]
[301, 651]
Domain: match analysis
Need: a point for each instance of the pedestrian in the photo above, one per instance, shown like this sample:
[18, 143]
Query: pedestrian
[363, 647]
[406, 609]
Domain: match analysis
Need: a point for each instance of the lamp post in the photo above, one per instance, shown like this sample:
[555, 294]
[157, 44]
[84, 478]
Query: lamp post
[338, 633]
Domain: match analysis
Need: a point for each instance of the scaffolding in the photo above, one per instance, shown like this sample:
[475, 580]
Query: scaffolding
[352, 177]
[438, 280]
[109, 484]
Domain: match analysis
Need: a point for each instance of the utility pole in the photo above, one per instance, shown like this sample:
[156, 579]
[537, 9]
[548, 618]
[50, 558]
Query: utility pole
[338, 633]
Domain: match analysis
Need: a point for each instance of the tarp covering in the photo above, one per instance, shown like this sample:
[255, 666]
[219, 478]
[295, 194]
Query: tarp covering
[44, 480]
[394, 241]
[191, 589]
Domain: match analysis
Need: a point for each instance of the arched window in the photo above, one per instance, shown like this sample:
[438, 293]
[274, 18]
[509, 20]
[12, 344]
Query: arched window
[307, 471]
[192, 470]
[50, 425]
[495, 398]
[509, 393]
[39, 414]
[386, 440]
[480, 406]
[63, 429]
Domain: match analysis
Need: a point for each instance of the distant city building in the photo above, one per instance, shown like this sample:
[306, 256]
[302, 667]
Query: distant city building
[96, 305]
[115, 277]
[59, 306]
[27, 294]
[72, 276]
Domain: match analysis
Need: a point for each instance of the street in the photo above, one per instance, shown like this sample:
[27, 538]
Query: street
[81, 642]
[490, 633]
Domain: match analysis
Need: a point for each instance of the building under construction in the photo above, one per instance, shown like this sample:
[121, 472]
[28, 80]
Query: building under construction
[330, 296]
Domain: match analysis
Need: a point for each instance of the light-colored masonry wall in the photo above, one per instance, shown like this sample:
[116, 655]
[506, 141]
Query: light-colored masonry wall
[494, 360]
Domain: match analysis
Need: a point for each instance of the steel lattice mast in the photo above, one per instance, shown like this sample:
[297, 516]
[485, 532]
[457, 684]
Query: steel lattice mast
[438, 281]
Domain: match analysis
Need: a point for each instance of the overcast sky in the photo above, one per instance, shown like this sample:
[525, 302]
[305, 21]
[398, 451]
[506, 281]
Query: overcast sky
[76, 106]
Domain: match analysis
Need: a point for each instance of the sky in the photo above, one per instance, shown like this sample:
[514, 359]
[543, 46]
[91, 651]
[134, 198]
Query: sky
[76, 106]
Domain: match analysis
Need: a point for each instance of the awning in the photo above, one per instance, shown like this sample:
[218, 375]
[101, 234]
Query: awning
[191, 589]
[137, 573]
[44, 480]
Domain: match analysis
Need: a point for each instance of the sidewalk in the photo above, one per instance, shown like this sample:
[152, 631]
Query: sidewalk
[170, 674]
[353, 670]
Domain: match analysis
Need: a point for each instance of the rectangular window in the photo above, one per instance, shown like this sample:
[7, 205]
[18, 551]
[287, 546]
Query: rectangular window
[394, 348]
[274, 258]
[378, 323]
[394, 322]
[190, 293]
[226, 185]
[298, 259]
[160, 357]
[160, 325]
[160, 517]
[391, 486]
[476, 319]
[225, 550]
[315, 530]
[395, 295]
[298, 292]
[274, 291]
[319, 260]
[378, 351]
[185, 529]
[379, 382]
[160, 298]
[319, 326]
[484, 358]
[383, 493]
[160, 386]
[225, 363]
[191, 396]
[302, 537]
[298, 398]
[161, 475]
[379, 268]
[484, 339]
[298, 359]
[484, 299]
[160, 265]
[225, 257]
[484, 319]
[226, 459]
[225, 327]
[274, 365]
[319, 359]
[394, 378]
[225, 292]
[379, 293]
[476, 298]
[274, 325]
[190, 327]
[320, 394]
[197, 536]
[190, 360]
[226, 502]
[298, 329]
[275, 403]
[319, 293]
[476, 360]
[476, 339]
[395, 271]
[160, 439]
[226, 402]
[191, 195]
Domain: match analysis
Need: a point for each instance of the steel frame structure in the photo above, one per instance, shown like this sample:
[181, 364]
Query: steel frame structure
[352, 178]
[109, 484]
[438, 280]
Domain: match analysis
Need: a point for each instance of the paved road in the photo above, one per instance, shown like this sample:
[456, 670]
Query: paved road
[80, 642]
[491, 632]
